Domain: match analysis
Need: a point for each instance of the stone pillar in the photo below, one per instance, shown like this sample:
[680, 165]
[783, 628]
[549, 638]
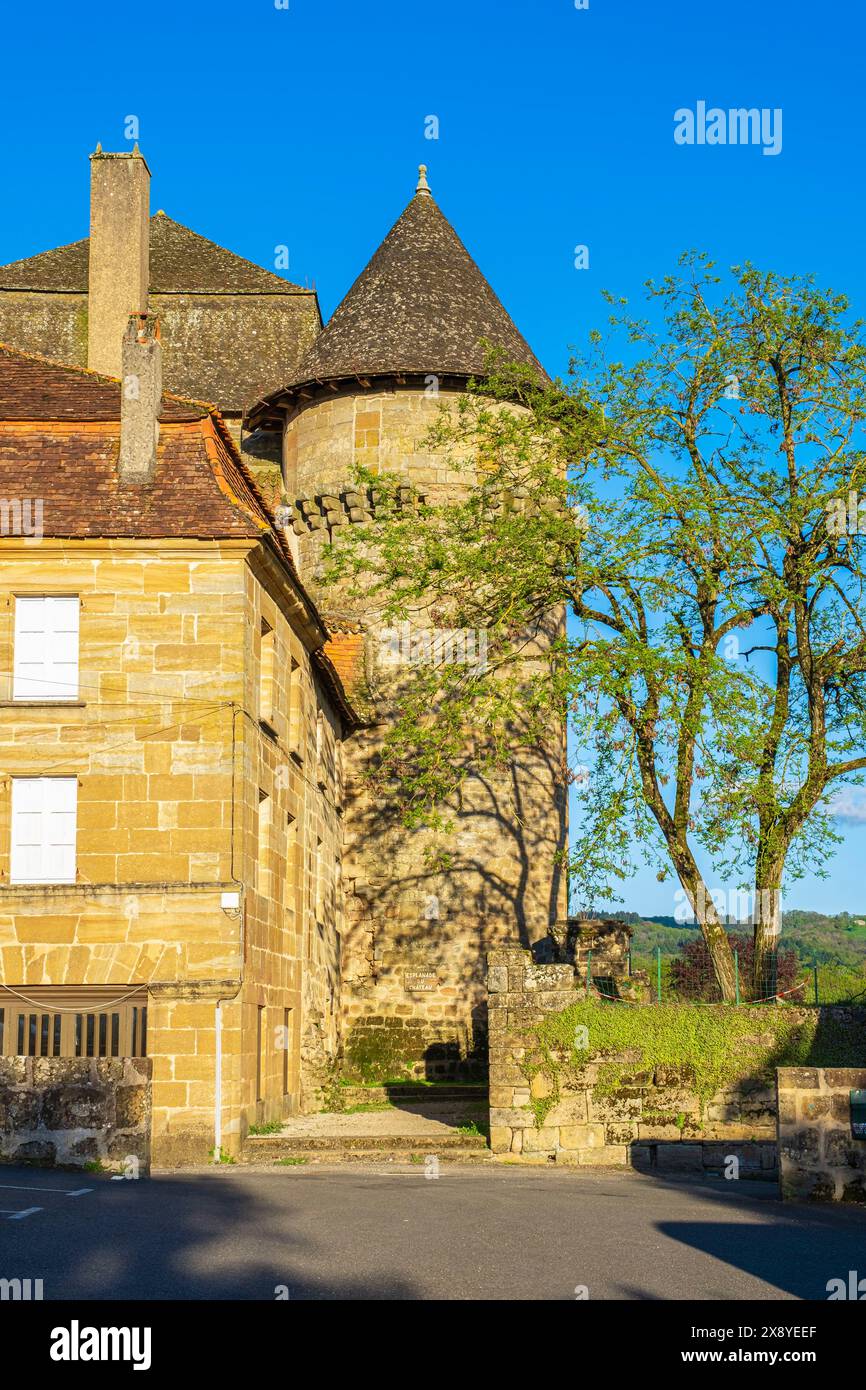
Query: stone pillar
[119, 269]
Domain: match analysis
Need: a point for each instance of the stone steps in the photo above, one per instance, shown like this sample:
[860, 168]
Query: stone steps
[272, 1148]
[412, 1095]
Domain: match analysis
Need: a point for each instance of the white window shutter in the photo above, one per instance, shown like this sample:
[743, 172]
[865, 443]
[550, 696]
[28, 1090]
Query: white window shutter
[44, 822]
[46, 648]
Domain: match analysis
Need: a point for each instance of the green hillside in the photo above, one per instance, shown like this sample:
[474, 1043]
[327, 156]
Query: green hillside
[836, 944]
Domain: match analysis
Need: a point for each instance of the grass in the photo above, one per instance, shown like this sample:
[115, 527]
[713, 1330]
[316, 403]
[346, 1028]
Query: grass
[368, 1108]
[473, 1129]
[273, 1127]
[404, 1081]
[291, 1162]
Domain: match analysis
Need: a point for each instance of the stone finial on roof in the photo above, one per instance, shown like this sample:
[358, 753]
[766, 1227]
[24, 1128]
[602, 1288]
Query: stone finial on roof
[423, 185]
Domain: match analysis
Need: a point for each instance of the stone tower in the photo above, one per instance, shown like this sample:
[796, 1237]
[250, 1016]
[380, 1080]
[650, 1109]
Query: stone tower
[406, 339]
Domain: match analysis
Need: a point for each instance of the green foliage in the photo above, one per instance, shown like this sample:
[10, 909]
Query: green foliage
[472, 1128]
[837, 944]
[676, 500]
[374, 1057]
[371, 1107]
[274, 1127]
[713, 1044]
[541, 1106]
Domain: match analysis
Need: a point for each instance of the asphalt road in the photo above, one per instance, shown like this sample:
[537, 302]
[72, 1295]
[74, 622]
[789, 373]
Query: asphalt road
[388, 1232]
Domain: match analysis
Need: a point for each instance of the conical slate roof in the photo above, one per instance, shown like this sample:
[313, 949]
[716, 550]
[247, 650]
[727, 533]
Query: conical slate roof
[421, 306]
[181, 262]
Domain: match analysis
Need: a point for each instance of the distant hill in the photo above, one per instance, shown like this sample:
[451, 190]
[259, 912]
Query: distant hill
[816, 937]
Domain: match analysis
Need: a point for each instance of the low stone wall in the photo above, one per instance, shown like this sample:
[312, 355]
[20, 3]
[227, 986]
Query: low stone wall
[68, 1112]
[819, 1158]
[653, 1118]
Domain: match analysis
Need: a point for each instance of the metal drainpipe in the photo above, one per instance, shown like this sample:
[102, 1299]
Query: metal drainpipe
[218, 1016]
[218, 1088]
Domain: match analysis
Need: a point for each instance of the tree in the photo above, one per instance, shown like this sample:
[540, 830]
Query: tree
[692, 975]
[683, 505]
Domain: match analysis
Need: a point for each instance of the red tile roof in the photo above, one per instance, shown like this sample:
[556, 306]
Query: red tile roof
[60, 442]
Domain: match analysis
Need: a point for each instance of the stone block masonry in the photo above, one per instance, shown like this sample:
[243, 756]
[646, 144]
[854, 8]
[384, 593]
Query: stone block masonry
[185, 798]
[68, 1112]
[653, 1116]
[820, 1158]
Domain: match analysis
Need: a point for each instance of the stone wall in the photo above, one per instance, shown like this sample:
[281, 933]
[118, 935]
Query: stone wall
[820, 1160]
[653, 1119]
[65, 1112]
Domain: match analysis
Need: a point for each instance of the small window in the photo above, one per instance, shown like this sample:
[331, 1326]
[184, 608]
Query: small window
[291, 863]
[261, 1035]
[44, 820]
[287, 1043]
[296, 712]
[267, 674]
[320, 881]
[46, 649]
[264, 840]
[64, 1021]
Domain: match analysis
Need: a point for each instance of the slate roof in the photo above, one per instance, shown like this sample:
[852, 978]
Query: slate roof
[181, 262]
[421, 306]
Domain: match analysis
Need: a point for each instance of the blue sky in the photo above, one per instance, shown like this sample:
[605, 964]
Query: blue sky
[304, 127]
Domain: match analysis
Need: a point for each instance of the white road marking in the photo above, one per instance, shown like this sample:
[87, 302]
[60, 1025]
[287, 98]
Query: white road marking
[58, 1191]
[20, 1215]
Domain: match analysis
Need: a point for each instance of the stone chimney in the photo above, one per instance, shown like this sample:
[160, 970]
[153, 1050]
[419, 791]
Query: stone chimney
[140, 399]
[119, 271]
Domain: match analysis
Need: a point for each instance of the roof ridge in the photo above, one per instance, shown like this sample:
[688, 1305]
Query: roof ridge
[64, 268]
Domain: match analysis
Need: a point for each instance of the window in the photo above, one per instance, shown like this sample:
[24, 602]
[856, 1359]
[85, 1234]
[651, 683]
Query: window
[296, 712]
[46, 649]
[64, 1021]
[325, 752]
[260, 1049]
[44, 815]
[287, 1042]
[291, 865]
[264, 840]
[267, 675]
[320, 882]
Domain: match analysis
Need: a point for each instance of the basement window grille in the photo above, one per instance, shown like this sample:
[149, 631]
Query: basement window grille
[102, 1021]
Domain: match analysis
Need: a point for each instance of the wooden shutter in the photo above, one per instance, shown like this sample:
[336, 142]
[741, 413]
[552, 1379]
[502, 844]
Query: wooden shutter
[44, 815]
[46, 648]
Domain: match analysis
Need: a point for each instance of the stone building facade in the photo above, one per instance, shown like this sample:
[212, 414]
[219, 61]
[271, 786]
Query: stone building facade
[376, 958]
[194, 731]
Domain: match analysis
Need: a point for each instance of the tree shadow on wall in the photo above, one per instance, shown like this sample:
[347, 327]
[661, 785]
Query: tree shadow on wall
[497, 858]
